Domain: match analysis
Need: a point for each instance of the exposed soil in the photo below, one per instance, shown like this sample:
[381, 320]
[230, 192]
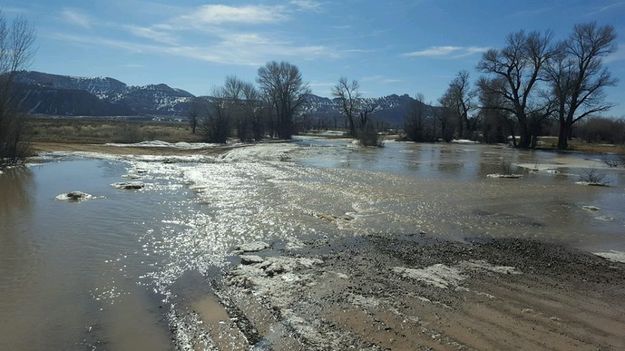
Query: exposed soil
[416, 293]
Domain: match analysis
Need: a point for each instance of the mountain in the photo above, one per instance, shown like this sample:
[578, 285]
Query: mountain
[44, 93]
[51, 94]
[390, 109]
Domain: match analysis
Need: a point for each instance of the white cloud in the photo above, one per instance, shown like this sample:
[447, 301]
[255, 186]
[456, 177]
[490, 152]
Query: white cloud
[213, 33]
[380, 79]
[306, 5]
[156, 35]
[447, 51]
[224, 14]
[604, 8]
[238, 49]
[618, 55]
[76, 17]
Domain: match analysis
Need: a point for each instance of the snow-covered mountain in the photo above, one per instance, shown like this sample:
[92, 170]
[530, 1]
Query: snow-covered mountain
[52, 94]
[64, 95]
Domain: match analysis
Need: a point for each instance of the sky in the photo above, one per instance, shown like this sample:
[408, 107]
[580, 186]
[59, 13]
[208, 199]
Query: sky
[390, 47]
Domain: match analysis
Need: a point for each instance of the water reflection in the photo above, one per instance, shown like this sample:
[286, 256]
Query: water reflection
[16, 189]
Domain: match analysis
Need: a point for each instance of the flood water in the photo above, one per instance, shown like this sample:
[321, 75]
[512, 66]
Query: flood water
[117, 272]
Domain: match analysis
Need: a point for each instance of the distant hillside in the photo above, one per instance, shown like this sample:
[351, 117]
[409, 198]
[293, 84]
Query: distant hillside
[77, 96]
[52, 94]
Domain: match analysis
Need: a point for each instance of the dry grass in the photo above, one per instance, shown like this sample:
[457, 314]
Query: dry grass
[551, 143]
[598, 148]
[100, 131]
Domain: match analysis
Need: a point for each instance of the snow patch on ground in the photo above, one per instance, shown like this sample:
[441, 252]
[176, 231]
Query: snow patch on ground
[261, 152]
[464, 141]
[163, 144]
[505, 176]
[612, 255]
[444, 276]
[438, 275]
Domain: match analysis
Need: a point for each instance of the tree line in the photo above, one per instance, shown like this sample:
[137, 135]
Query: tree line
[531, 82]
[251, 113]
[275, 108]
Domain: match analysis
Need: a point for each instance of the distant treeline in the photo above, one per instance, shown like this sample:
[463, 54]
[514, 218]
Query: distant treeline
[532, 86]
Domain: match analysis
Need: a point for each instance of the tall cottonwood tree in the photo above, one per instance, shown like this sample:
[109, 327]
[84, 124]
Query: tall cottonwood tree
[496, 123]
[348, 95]
[520, 65]
[459, 100]
[286, 92]
[577, 76]
[215, 123]
[415, 121]
[16, 49]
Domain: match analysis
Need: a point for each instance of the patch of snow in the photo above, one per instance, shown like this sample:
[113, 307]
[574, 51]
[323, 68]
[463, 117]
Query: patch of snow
[612, 255]
[484, 265]
[163, 144]
[464, 141]
[260, 152]
[591, 208]
[443, 276]
[253, 247]
[505, 176]
[438, 275]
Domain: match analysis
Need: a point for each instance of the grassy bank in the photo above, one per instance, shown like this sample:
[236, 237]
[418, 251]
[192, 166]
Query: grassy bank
[100, 131]
[551, 143]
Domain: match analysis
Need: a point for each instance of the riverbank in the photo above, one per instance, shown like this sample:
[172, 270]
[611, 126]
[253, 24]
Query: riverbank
[414, 292]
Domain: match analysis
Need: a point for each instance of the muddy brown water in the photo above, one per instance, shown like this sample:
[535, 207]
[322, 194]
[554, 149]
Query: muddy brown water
[109, 273]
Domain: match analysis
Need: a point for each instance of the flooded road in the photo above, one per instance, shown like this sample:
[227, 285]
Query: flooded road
[133, 269]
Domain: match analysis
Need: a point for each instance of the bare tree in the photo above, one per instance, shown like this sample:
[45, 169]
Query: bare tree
[577, 76]
[366, 129]
[349, 98]
[16, 49]
[459, 100]
[197, 108]
[496, 123]
[215, 123]
[415, 120]
[519, 65]
[285, 90]
[254, 109]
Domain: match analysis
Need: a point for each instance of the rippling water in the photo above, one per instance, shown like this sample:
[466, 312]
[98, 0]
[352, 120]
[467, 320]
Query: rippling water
[112, 272]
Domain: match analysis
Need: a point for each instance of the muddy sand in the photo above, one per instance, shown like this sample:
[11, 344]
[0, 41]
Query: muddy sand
[410, 293]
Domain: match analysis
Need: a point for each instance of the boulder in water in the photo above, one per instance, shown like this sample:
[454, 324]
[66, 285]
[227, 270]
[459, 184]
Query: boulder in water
[128, 185]
[253, 246]
[74, 196]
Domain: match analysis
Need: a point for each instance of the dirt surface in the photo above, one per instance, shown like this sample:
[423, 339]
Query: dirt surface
[415, 293]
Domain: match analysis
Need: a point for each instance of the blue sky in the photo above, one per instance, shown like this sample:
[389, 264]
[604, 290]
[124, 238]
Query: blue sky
[389, 46]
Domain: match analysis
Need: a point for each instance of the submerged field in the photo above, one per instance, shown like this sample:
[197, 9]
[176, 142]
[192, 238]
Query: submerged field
[314, 244]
